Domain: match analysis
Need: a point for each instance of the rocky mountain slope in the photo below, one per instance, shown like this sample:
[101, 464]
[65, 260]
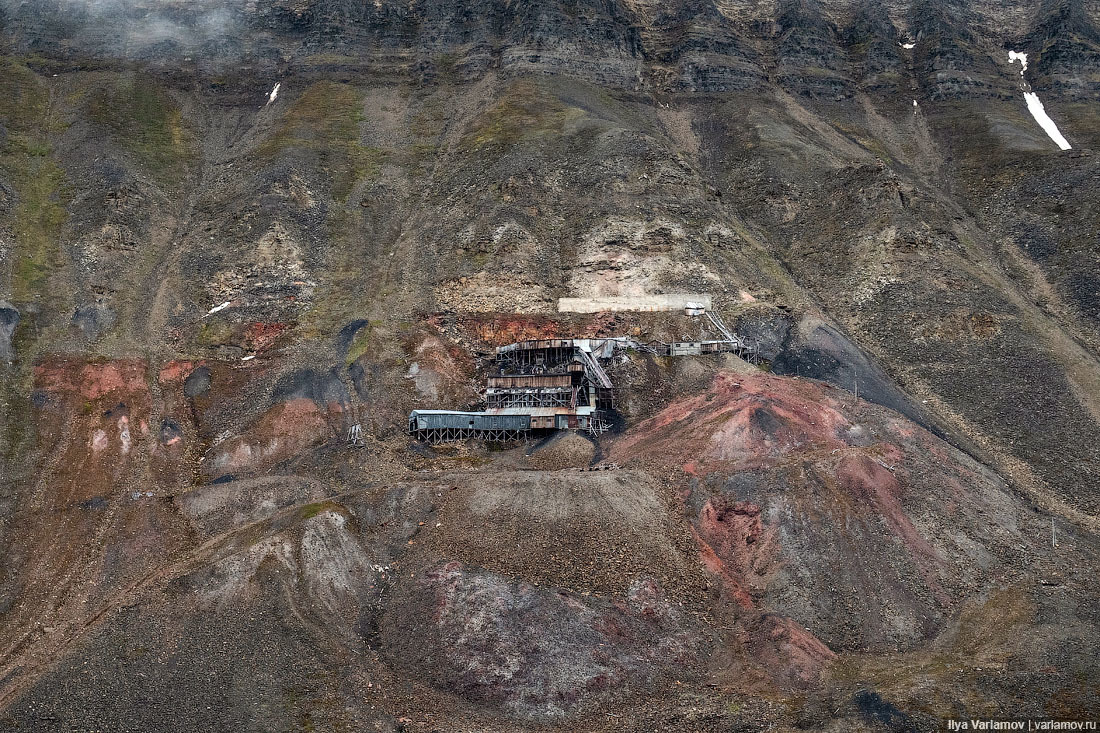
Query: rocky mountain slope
[230, 231]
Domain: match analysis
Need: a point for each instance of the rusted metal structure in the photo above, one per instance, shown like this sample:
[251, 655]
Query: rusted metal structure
[532, 390]
[553, 384]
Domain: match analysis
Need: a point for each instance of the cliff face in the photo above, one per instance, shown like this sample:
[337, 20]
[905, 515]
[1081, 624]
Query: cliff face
[832, 49]
[229, 232]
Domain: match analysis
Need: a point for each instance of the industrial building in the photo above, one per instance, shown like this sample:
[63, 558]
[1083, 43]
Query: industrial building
[555, 384]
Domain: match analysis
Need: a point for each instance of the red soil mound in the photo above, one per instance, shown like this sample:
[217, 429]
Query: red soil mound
[740, 418]
[840, 515]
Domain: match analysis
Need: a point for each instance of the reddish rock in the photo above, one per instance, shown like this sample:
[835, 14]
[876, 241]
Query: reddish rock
[91, 380]
[740, 418]
[91, 421]
[735, 546]
[837, 514]
[282, 432]
[440, 370]
[499, 330]
[260, 335]
[506, 328]
[789, 654]
[177, 370]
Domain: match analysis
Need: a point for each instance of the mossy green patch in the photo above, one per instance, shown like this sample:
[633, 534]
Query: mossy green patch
[324, 120]
[360, 343]
[40, 184]
[312, 510]
[143, 118]
[526, 110]
[24, 103]
[422, 152]
[39, 218]
[446, 67]
[215, 333]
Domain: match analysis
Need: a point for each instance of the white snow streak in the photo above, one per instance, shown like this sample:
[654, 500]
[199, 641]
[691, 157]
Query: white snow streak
[915, 103]
[1035, 107]
[217, 308]
[907, 46]
[274, 93]
[1014, 56]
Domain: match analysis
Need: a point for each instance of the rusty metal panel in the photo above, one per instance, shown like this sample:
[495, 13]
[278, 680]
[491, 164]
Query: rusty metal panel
[522, 381]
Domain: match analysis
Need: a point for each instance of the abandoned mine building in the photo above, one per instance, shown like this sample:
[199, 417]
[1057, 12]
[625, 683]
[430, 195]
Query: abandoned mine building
[555, 384]
[551, 384]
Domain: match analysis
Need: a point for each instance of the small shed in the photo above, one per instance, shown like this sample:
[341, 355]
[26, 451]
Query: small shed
[686, 348]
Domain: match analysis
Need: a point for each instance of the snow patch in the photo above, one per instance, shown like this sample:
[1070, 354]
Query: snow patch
[915, 103]
[907, 46]
[217, 308]
[1035, 107]
[1014, 56]
[274, 93]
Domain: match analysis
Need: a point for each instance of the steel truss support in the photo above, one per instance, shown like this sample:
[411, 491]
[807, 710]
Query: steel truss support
[435, 436]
